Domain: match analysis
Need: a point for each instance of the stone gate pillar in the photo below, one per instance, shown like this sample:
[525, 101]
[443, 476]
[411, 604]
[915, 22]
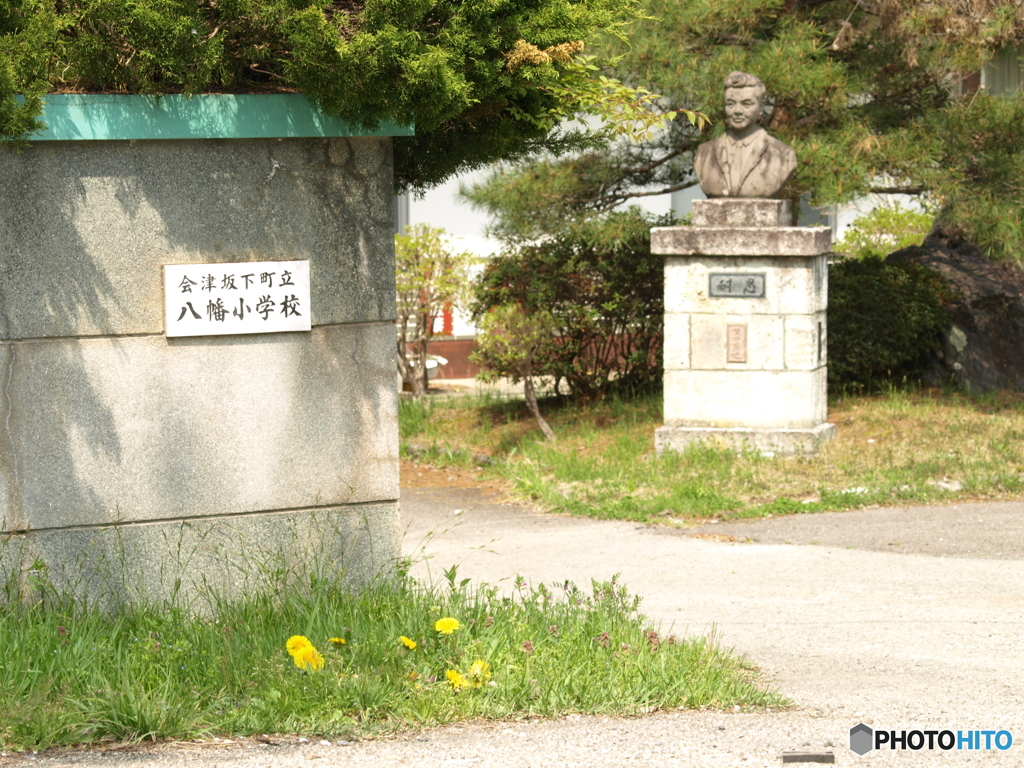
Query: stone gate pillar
[143, 463]
[745, 328]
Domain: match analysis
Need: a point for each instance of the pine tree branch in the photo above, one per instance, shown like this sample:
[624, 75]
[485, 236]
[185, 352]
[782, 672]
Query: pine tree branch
[620, 197]
[917, 190]
[660, 161]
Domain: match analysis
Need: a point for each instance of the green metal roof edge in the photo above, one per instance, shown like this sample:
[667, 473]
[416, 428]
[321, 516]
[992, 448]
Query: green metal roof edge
[113, 117]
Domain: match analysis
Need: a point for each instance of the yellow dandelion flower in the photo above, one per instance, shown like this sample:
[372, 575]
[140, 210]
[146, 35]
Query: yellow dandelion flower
[447, 625]
[297, 644]
[338, 640]
[456, 680]
[479, 673]
[309, 659]
[408, 642]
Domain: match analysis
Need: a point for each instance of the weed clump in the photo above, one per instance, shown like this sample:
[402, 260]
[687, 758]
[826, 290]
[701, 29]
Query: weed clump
[395, 654]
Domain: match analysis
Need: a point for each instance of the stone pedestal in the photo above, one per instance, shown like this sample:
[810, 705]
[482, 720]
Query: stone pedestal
[745, 328]
[137, 466]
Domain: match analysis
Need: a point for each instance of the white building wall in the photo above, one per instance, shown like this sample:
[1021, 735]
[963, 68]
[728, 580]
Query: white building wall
[1002, 74]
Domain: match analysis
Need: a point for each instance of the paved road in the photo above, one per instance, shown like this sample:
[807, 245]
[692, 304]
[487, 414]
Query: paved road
[903, 619]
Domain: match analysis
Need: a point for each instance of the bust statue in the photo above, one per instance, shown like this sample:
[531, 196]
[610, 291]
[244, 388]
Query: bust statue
[744, 161]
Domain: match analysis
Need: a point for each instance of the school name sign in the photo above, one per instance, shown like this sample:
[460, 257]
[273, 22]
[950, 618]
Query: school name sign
[247, 297]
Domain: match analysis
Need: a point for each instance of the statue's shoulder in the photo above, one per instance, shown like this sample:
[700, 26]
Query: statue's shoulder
[707, 152]
[780, 148]
[708, 146]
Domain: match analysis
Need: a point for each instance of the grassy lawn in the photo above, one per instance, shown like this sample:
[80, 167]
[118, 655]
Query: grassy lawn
[901, 447]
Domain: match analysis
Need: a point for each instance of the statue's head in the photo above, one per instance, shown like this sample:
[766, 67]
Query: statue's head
[744, 100]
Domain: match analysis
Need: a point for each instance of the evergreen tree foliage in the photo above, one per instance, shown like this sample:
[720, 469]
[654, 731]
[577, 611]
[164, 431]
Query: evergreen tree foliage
[450, 67]
[871, 94]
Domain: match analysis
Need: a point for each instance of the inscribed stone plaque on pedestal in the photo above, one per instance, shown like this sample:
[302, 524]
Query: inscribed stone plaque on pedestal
[732, 285]
[736, 343]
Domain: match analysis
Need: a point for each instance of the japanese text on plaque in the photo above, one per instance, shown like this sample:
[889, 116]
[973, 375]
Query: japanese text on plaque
[731, 285]
[246, 297]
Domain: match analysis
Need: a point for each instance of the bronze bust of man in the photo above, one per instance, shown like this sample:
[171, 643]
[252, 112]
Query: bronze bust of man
[744, 161]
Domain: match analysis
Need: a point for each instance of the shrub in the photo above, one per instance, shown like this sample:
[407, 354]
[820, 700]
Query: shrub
[513, 339]
[604, 291]
[884, 320]
[885, 230]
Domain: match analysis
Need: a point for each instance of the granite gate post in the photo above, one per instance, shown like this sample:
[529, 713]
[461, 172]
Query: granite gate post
[745, 328]
[147, 454]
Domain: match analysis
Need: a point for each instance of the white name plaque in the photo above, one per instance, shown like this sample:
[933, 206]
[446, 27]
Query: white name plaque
[248, 297]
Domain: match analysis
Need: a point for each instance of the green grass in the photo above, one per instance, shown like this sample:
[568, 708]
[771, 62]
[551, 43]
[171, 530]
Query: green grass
[71, 675]
[900, 447]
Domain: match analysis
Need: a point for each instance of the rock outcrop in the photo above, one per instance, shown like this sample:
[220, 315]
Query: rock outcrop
[983, 350]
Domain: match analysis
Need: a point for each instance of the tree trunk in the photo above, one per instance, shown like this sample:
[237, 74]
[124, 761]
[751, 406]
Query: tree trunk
[531, 403]
[421, 381]
[411, 370]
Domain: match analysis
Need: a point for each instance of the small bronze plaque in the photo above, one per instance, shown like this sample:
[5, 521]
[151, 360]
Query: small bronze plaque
[736, 343]
[733, 285]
